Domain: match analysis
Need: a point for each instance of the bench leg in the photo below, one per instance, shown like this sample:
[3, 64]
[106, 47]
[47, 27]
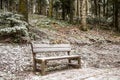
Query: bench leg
[69, 60]
[43, 66]
[34, 65]
[79, 63]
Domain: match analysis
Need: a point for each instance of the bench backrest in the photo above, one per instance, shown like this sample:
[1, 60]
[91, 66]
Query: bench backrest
[38, 48]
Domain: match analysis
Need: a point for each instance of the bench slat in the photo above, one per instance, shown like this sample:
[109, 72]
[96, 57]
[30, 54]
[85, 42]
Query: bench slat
[51, 45]
[59, 57]
[37, 50]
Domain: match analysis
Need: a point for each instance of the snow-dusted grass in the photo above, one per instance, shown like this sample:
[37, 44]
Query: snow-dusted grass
[45, 22]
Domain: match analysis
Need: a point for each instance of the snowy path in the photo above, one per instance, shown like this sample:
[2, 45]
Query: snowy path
[80, 74]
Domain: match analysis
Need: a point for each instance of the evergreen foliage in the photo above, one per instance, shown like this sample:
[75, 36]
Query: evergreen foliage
[11, 25]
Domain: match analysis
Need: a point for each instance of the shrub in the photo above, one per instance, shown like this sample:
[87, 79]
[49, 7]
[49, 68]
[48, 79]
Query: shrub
[12, 25]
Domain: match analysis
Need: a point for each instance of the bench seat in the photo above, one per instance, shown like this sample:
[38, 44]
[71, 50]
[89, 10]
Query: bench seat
[59, 57]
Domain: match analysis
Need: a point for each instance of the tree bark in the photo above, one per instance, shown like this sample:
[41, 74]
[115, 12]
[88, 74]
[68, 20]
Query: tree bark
[116, 15]
[23, 9]
[77, 8]
[39, 6]
[1, 4]
[99, 11]
[51, 8]
[33, 6]
[71, 10]
[107, 5]
[83, 15]
[96, 10]
[63, 11]
[104, 5]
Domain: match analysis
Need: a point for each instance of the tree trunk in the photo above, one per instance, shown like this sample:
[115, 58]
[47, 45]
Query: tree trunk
[96, 10]
[104, 5]
[99, 11]
[77, 12]
[1, 4]
[7, 5]
[23, 9]
[39, 6]
[71, 10]
[83, 15]
[116, 15]
[51, 8]
[33, 7]
[10, 5]
[107, 9]
[77, 8]
[56, 13]
[63, 11]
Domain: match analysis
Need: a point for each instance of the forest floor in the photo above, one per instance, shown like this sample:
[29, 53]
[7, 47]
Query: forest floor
[58, 31]
[100, 46]
[99, 50]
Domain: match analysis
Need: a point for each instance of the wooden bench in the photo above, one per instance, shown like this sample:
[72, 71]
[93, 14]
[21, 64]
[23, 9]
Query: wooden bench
[40, 48]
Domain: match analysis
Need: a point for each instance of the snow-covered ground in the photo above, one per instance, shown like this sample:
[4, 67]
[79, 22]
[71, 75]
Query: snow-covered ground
[80, 74]
[98, 63]
[99, 51]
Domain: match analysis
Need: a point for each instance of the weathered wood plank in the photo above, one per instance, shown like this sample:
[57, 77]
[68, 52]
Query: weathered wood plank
[59, 57]
[51, 46]
[38, 50]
